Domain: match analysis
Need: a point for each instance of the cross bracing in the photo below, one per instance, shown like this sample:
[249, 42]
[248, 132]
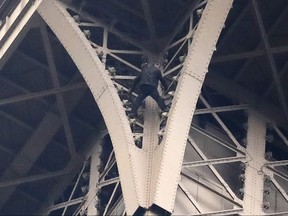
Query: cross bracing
[69, 146]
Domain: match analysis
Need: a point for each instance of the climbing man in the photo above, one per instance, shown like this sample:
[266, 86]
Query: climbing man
[147, 81]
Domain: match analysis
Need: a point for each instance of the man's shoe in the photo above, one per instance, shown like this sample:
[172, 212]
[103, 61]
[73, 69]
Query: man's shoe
[131, 115]
[164, 114]
[166, 110]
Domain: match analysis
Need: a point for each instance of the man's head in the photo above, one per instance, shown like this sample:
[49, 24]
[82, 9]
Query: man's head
[144, 65]
[158, 65]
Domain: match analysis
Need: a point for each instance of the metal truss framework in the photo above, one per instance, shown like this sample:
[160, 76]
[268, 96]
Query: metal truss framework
[156, 161]
[252, 164]
[154, 153]
[24, 9]
[182, 177]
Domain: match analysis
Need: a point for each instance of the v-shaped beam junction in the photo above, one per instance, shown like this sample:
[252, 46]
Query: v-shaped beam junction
[149, 175]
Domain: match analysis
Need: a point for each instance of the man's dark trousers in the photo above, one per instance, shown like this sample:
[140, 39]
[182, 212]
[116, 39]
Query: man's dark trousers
[148, 90]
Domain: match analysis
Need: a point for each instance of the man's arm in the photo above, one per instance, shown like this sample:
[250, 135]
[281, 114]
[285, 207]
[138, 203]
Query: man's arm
[160, 78]
[134, 84]
[163, 82]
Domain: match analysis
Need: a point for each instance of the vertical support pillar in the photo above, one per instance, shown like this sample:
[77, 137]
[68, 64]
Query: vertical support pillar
[145, 156]
[253, 186]
[92, 199]
[151, 128]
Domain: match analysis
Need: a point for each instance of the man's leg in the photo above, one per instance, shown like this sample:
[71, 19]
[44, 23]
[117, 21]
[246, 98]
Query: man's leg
[137, 102]
[155, 95]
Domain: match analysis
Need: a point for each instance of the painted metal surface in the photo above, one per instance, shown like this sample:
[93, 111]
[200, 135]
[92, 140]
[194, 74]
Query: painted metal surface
[184, 102]
[153, 169]
[253, 186]
[92, 199]
[11, 20]
[103, 90]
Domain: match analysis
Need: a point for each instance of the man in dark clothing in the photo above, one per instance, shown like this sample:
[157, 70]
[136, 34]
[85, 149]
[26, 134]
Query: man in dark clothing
[147, 81]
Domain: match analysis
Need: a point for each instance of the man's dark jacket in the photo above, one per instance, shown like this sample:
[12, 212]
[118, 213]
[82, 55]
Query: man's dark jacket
[149, 76]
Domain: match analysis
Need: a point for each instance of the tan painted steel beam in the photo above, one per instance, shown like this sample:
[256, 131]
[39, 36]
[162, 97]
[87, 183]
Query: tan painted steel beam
[184, 102]
[37, 95]
[18, 12]
[32, 149]
[32, 178]
[238, 93]
[274, 72]
[149, 19]
[56, 83]
[254, 183]
[103, 90]
[269, 32]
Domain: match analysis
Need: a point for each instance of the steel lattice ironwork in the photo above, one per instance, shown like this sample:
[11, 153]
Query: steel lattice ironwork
[217, 151]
